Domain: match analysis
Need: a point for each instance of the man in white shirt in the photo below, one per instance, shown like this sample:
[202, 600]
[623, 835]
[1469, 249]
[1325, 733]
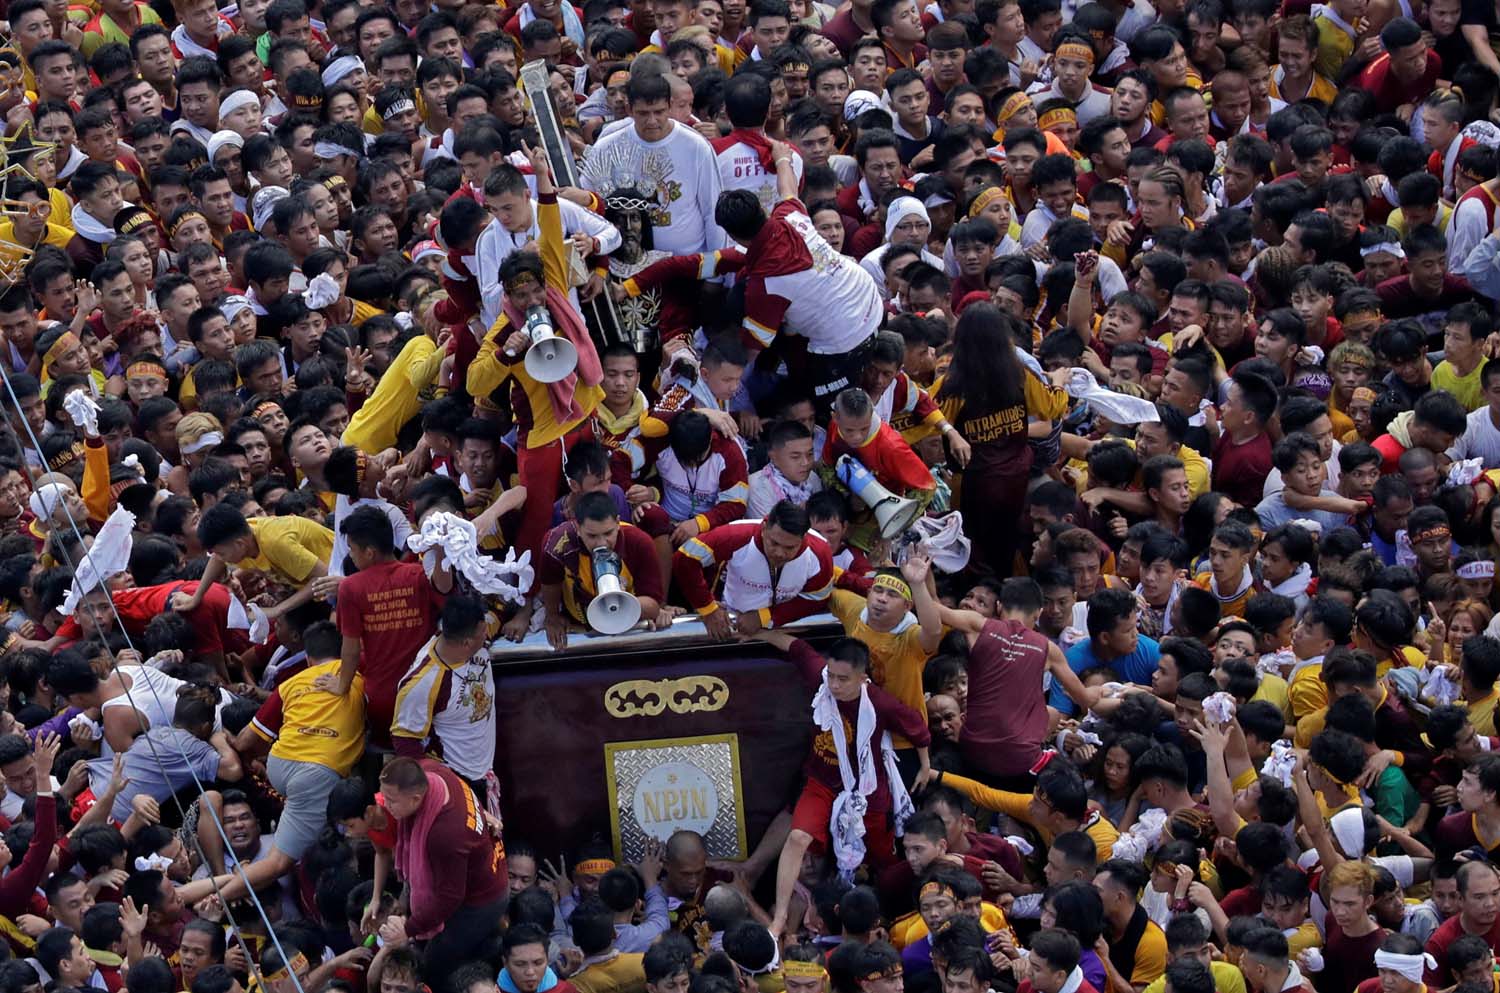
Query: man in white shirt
[509, 200]
[1481, 439]
[744, 155]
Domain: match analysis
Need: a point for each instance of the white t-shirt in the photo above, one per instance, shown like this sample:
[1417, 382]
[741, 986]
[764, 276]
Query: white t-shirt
[680, 172]
[1480, 440]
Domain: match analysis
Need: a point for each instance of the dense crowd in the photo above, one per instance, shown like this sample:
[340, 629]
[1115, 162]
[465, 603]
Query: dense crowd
[1123, 380]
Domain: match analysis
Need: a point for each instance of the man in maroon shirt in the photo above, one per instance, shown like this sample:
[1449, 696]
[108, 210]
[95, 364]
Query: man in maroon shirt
[1242, 455]
[1405, 72]
[850, 25]
[843, 678]
[452, 863]
[386, 612]
[1478, 913]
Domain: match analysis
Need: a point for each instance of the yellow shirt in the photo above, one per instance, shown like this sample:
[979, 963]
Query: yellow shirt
[1194, 465]
[57, 235]
[1308, 694]
[1227, 979]
[621, 974]
[289, 546]
[398, 397]
[1016, 805]
[1150, 956]
[896, 657]
[1482, 714]
[1397, 219]
[308, 725]
[1321, 88]
[912, 928]
[1335, 45]
[1306, 936]
[1465, 388]
[1273, 689]
[487, 372]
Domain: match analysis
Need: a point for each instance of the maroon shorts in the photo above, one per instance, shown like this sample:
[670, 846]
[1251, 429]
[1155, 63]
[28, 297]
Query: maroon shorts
[815, 808]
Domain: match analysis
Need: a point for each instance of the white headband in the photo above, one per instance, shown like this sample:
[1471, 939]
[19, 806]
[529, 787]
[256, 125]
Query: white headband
[1477, 570]
[231, 306]
[1349, 830]
[263, 201]
[1409, 966]
[1384, 246]
[46, 499]
[859, 101]
[236, 100]
[209, 440]
[900, 209]
[399, 107]
[222, 140]
[340, 67]
[329, 150]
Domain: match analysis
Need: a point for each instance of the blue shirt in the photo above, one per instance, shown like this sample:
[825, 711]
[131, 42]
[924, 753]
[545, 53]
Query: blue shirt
[1136, 667]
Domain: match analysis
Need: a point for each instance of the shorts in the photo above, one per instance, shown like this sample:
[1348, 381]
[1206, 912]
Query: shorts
[814, 810]
[306, 786]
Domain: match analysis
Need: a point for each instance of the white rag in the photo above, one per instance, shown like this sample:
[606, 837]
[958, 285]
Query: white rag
[109, 555]
[1464, 472]
[1441, 689]
[1277, 663]
[145, 863]
[848, 820]
[1219, 708]
[85, 728]
[459, 542]
[945, 541]
[84, 411]
[322, 291]
[1280, 763]
[1348, 827]
[1143, 838]
[1118, 407]
[1408, 966]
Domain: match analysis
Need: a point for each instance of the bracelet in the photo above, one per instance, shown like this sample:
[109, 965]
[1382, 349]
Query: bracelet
[784, 158]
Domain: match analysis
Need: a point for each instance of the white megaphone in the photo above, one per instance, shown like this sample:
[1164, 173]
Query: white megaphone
[549, 358]
[613, 610]
[894, 514]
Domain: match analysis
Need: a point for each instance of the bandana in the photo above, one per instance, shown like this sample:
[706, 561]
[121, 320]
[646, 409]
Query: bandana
[67, 341]
[899, 210]
[263, 201]
[222, 140]
[361, 463]
[1410, 967]
[233, 102]
[341, 67]
[593, 867]
[330, 150]
[307, 101]
[401, 106]
[1363, 393]
[1384, 246]
[1436, 531]
[1075, 50]
[297, 964]
[795, 66]
[66, 457]
[231, 308]
[209, 440]
[1477, 570]
[1356, 359]
[933, 887]
[132, 219]
[182, 219]
[893, 972]
[1060, 115]
[266, 407]
[1012, 104]
[984, 199]
[803, 970]
[896, 585]
[145, 369]
[335, 183]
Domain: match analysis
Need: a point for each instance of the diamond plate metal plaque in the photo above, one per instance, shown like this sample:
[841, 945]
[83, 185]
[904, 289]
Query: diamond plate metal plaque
[664, 785]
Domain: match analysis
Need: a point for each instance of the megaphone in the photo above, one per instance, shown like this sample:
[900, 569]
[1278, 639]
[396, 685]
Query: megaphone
[894, 514]
[549, 358]
[613, 610]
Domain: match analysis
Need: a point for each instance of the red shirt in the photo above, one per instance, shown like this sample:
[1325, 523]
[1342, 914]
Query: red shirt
[138, 607]
[392, 608]
[1003, 733]
[1447, 933]
[1390, 92]
[1240, 470]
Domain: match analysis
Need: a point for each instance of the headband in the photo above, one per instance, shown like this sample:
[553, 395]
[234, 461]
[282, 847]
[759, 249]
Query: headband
[890, 972]
[341, 67]
[64, 342]
[1409, 966]
[1012, 103]
[1363, 393]
[361, 461]
[984, 199]
[182, 219]
[1354, 358]
[399, 107]
[1056, 116]
[332, 183]
[896, 585]
[1426, 534]
[266, 407]
[66, 457]
[261, 204]
[235, 101]
[222, 140]
[933, 887]
[297, 964]
[1075, 50]
[1384, 246]
[331, 150]
[594, 867]
[795, 66]
[1468, 173]
[209, 440]
[803, 970]
[47, 499]
[899, 210]
[232, 305]
[1484, 569]
[307, 101]
[133, 221]
[145, 369]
